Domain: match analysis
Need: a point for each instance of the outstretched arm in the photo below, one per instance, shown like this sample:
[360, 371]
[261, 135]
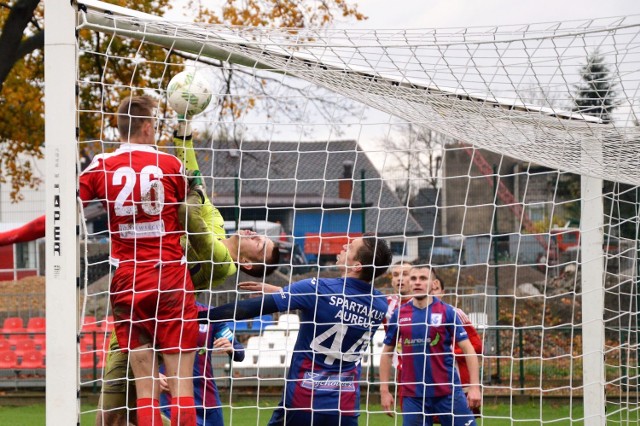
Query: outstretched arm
[386, 399]
[183, 140]
[258, 287]
[243, 309]
[201, 219]
[27, 232]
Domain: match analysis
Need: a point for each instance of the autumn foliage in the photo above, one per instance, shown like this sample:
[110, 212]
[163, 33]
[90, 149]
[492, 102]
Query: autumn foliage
[21, 95]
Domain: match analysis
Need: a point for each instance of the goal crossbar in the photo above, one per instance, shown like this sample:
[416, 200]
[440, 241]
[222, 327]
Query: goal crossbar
[514, 127]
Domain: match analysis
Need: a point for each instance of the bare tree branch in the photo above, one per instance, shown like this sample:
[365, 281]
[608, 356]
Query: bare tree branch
[417, 154]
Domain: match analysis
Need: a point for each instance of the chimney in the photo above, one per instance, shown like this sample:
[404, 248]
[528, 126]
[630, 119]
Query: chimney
[345, 184]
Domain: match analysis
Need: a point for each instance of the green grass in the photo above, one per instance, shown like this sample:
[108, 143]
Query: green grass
[243, 414]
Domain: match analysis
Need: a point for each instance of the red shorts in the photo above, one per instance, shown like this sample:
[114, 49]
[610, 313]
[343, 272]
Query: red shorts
[154, 306]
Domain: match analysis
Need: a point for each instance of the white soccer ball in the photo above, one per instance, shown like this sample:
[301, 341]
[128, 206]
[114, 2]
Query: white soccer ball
[188, 93]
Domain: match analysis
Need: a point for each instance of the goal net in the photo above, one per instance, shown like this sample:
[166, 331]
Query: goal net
[506, 158]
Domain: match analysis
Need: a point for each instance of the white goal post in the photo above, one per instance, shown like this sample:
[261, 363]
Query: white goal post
[62, 403]
[501, 93]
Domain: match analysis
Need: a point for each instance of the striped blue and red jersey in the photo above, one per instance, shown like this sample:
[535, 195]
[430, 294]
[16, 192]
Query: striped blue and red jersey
[204, 385]
[338, 317]
[426, 336]
[205, 391]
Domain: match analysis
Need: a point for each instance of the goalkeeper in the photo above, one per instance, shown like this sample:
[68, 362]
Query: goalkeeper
[211, 257]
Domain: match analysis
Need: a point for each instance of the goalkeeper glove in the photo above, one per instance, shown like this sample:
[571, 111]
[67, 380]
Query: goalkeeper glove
[183, 131]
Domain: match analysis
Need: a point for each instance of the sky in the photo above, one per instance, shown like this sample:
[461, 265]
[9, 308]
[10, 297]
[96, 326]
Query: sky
[467, 13]
[394, 14]
[408, 14]
[414, 14]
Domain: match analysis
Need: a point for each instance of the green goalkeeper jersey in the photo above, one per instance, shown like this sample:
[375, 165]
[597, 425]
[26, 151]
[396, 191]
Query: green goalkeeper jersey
[210, 262]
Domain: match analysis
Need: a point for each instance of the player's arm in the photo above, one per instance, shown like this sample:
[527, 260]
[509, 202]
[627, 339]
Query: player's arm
[222, 339]
[386, 360]
[198, 217]
[386, 398]
[27, 232]
[258, 287]
[183, 140]
[299, 295]
[238, 351]
[243, 309]
[89, 180]
[474, 396]
[474, 338]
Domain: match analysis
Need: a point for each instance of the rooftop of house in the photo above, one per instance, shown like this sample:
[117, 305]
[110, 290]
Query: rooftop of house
[303, 174]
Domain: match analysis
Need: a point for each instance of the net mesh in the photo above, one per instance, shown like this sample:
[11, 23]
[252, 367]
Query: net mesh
[461, 147]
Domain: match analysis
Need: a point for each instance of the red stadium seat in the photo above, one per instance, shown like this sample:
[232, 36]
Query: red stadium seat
[87, 359]
[16, 340]
[36, 325]
[40, 340]
[33, 359]
[87, 342]
[4, 345]
[24, 346]
[13, 325]
[8, 360]
[89, 323]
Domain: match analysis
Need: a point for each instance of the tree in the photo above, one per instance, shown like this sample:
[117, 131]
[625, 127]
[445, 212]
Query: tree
[596, 94]
[417, 155]
[22, 70]
[21, 84]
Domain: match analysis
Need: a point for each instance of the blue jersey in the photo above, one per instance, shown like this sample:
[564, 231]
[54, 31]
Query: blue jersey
[337, 320]
[426, 336]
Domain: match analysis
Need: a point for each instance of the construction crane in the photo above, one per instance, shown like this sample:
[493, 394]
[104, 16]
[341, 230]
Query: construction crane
[506, 196]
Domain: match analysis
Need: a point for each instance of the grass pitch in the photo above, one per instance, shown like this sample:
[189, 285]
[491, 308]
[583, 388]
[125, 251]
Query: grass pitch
[553, 413]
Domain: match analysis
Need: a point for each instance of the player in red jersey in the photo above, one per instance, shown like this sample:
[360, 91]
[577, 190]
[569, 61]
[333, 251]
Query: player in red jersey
[401, 290]
[437, 289]
[151, 292]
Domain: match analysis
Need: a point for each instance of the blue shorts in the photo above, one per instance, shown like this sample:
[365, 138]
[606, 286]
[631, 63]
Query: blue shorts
[421, 411]
[307, 418]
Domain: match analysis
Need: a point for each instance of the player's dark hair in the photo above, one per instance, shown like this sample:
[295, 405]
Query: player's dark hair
[259, 270]
[133, 112]
[424, 263]
[375, 257]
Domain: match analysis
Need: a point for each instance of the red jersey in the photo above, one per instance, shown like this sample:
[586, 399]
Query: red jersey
[394, 301]
[141, 188]
[475, 341]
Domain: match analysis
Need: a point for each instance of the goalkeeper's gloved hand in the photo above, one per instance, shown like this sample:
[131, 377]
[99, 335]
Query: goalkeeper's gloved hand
[183, 131]
[196, 183]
